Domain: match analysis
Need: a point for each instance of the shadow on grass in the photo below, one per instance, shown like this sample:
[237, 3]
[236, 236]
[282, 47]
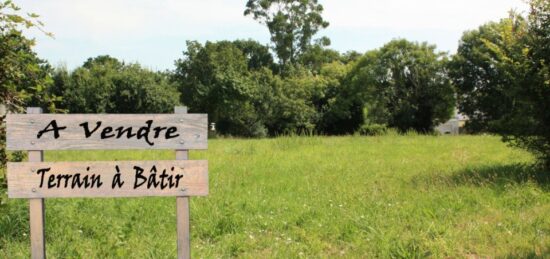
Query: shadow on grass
[501, 175]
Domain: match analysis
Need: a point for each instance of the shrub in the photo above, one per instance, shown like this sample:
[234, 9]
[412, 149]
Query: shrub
[373, 130]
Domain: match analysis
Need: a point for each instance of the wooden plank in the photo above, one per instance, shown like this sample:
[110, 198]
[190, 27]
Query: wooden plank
[182, 209]
[183, 227]
[106, 131]
[36, 208]
[97, 179]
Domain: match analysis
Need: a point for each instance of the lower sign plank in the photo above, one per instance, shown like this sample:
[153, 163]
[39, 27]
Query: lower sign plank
[108, 179]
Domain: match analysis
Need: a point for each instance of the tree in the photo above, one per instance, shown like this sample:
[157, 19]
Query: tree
[502, 74]
[341, 109]
[24, 78]
[139, 90]
[291, 23]
[214, 79]
[105, 85]
[292, 103]
[90, 87]
[481, 75]
[404, 85]
[257, 55]
[528, 126]
[315, 57]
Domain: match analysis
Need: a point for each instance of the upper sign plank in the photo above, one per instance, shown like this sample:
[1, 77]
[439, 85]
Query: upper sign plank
[106, 131]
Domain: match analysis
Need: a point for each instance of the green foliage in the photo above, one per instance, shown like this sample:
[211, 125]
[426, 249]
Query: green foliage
[483, 73]
[502, 75]
[528, 123]
[24, 78]
[12, 20]
[106, 85]
[292, 104]
[343, 110]
[404, 85]
[246, 100]
[257, 55]
[315, 57]
[214, 79]
[373, 130]
[291, 23]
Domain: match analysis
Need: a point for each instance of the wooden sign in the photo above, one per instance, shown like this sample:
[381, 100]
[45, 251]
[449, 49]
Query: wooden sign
[37, 180]
[106, 131]
[108, 179]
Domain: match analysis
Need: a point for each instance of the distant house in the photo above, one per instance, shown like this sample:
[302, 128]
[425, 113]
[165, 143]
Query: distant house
[452, 126]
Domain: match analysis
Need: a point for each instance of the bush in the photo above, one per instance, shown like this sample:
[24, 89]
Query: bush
[373, 130]
[106, 85]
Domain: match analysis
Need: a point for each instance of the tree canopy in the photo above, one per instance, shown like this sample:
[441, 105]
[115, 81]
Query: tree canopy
[405, 85]
[291, 23]
[501, 72]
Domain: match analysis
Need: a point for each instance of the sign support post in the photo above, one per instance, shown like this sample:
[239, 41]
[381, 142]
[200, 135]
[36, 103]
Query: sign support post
[182, 207]
[36, 207]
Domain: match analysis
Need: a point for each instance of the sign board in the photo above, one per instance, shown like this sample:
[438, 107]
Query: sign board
[37, 180]
[106, 131]
[108, 179]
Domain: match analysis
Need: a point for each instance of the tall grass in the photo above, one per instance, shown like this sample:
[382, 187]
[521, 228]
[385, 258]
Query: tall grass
[400, 196]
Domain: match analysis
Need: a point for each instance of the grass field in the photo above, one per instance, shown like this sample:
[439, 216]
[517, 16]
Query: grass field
[289, 197]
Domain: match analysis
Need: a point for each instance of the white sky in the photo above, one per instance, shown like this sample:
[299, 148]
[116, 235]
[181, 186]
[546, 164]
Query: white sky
[153, 32]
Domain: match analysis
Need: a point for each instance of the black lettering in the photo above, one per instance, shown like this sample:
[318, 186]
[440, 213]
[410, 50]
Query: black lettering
[163, 176]
[87, 131]
[158, 130]
[116, 179]
[170, 131]
[122, 130]
[106, 131]
[42, 171]
[178, 178]
[96, 180]
[51, 181]
[153, 178]
[54, 128]
[139, 175]
[143, 132]
[61, 177]
[76, 181]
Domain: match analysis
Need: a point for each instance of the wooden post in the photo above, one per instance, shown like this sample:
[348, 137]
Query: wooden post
[36, 207]
[182, 208]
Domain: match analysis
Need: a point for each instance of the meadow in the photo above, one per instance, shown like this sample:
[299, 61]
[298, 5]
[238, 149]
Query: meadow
[309, 197]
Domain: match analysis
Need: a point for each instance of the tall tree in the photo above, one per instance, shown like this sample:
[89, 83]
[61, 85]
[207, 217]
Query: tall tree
[291, 23]
[481, 75]
[502, 73]
[214, 78]
[257, 55]
[405, 85]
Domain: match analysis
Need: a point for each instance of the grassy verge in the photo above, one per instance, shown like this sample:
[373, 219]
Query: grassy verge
[400, 196]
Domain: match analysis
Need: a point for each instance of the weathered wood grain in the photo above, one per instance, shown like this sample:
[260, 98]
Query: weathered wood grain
[23, 129]
[36, 208]
[182, 209]
[24, 179]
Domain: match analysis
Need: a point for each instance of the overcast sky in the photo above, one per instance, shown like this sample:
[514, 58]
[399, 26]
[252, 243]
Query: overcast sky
[153, 32]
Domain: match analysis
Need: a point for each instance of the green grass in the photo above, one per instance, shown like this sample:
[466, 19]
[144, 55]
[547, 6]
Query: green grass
[358, 197]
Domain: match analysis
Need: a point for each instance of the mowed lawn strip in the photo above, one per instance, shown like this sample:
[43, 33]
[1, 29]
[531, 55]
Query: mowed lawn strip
[287, 197]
